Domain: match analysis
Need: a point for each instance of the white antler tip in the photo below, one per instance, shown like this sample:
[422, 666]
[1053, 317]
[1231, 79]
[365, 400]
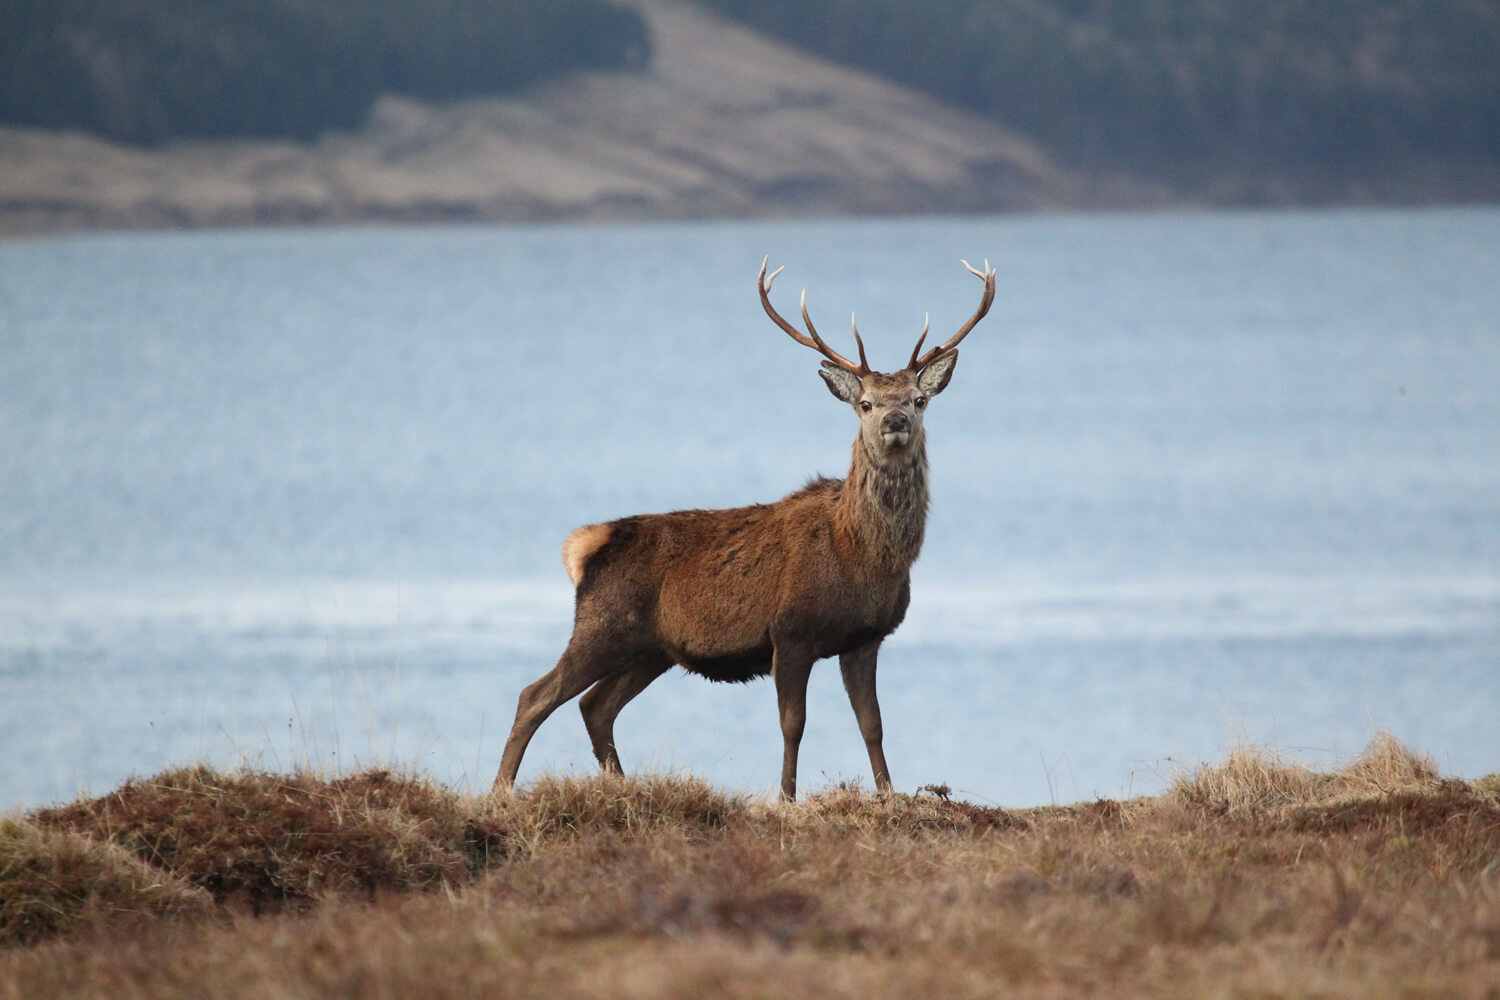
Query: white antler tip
[985, 274]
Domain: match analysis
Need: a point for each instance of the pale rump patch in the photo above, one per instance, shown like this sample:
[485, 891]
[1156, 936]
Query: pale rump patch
[581, 544]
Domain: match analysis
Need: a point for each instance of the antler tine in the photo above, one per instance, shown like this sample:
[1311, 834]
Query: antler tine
[764, 284]
[863, 363]
[926, 324]
[862, 369]
[988, 276]
[815, 342]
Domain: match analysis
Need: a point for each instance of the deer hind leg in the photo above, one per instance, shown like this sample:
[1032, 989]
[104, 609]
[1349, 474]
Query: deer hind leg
[790, 666]
[858, 667]
[602, 704]
[583, 663]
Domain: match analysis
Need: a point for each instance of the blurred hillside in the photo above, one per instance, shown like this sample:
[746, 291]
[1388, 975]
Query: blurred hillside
[154, 113]
[1255, 101]
[150, 71]
[723, 122]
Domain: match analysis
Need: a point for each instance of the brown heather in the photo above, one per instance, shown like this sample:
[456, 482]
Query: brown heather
[1254, 878]
[54, 882]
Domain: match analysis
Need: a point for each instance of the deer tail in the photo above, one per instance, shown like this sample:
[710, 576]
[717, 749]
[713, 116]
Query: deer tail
[580, 547]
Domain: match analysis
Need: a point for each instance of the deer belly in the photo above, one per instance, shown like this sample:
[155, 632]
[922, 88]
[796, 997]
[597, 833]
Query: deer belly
[720, 631]
[836, 644]
[735, 668]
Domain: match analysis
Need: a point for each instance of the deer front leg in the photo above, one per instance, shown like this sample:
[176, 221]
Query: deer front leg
[790, 666]
[858, 667]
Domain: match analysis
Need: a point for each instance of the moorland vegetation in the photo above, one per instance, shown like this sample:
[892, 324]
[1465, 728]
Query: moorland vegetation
[1253, 877]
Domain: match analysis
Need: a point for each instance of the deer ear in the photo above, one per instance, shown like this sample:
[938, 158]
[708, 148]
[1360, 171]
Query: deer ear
[934, 378]
[843, 384]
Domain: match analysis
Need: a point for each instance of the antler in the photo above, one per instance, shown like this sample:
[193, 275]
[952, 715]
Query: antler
[815, 342]
[916, 364]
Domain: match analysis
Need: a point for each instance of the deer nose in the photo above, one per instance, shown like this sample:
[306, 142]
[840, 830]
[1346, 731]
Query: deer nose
[895, 422]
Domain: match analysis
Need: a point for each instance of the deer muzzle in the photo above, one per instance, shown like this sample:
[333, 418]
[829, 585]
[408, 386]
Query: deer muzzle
[895, 429]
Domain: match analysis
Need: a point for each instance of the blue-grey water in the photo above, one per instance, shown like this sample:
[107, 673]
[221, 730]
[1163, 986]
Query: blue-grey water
[295, 499]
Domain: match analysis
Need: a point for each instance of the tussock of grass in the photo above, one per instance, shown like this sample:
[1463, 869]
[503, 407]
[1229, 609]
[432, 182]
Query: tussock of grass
[554, 807]
[54, 883]
[1251, 878]
[847, 809]
[1255, 779]
[266, 841]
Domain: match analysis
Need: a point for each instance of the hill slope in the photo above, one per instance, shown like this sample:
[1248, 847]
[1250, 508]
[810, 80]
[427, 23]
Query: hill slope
[724, 123]
[1323, 101]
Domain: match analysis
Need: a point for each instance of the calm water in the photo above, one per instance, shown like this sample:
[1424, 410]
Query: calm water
[296, 498]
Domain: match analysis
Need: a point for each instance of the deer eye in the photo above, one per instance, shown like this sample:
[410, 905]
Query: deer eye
[864, 404]
[919, 402]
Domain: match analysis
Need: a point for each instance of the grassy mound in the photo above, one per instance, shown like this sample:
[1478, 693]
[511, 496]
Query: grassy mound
[564, 808]
[1252, 877]
[1256, 780]
[266, 840]
[54, 882]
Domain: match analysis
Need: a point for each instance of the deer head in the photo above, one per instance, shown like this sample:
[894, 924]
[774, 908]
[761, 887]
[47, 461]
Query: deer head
[889, 406]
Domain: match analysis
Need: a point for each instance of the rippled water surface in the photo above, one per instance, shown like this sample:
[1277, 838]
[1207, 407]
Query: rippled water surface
[296, 498]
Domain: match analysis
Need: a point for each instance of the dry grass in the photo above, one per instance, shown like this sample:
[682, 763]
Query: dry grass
[55, 883]
[1253, 878]
[1257, 780]
[265, 841]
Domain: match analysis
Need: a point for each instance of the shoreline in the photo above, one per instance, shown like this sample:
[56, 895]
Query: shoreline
[22, 227]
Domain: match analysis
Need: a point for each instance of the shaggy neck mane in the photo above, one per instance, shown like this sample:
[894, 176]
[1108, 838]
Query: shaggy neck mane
[883, 507]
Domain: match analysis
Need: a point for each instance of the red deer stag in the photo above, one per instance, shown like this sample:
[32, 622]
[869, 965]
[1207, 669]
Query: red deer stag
[735, 594]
